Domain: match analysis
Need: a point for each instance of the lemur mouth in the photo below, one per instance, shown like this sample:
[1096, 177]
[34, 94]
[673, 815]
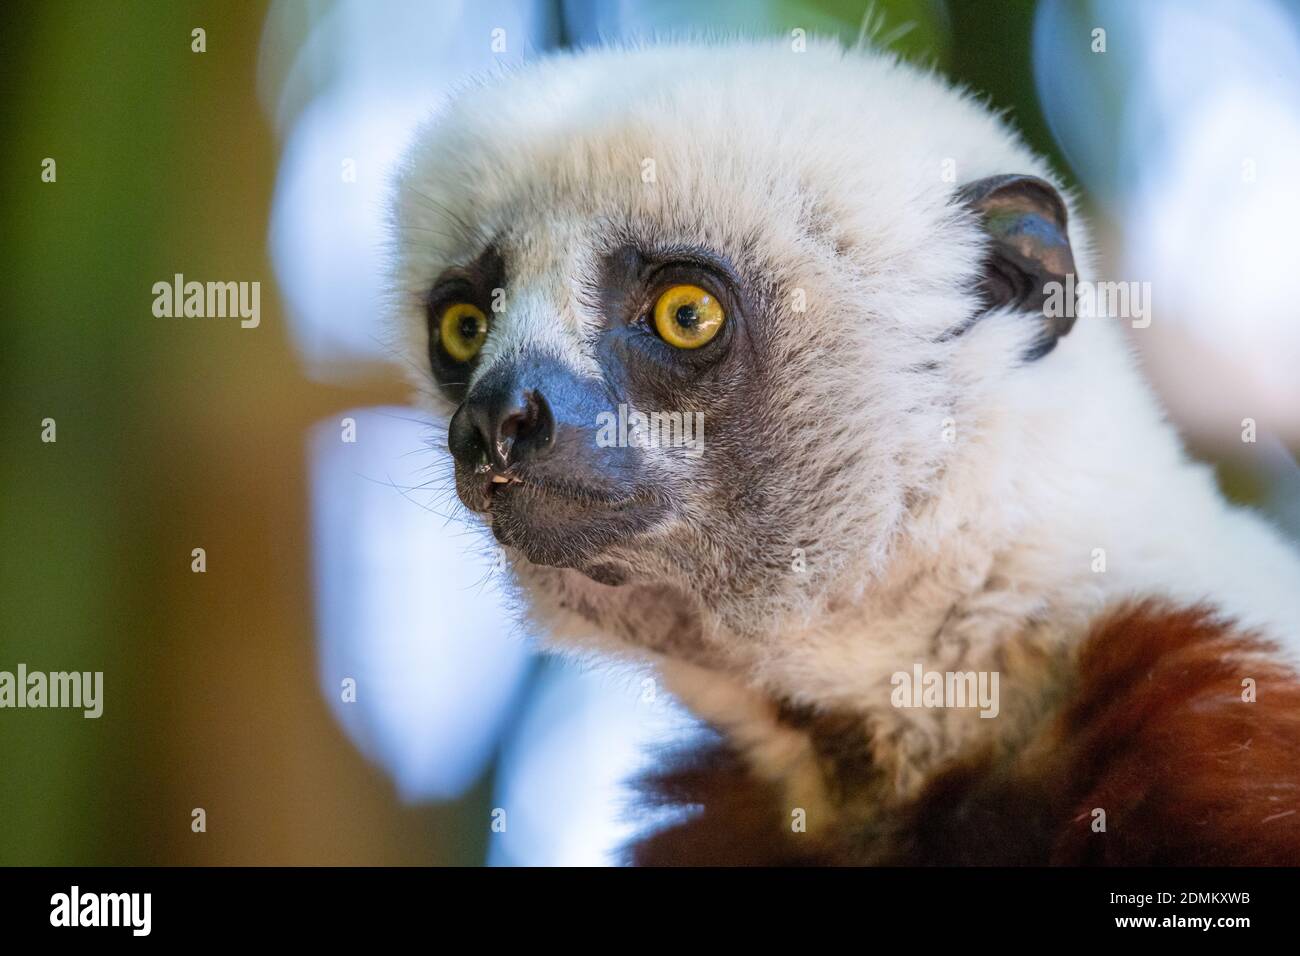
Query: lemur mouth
[557, 521]
[492, 485]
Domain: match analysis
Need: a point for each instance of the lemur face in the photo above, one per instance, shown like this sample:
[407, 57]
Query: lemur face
[697, 316]
[582, 440]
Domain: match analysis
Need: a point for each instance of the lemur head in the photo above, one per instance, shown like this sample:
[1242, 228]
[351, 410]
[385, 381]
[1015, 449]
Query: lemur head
[696, 315]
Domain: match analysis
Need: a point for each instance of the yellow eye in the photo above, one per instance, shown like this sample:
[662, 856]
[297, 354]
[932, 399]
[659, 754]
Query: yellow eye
[462, 330]
[687, 317]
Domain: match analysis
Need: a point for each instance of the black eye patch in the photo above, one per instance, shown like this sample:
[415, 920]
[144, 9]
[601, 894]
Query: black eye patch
[635, 360]
[475, 283]
[630, 279]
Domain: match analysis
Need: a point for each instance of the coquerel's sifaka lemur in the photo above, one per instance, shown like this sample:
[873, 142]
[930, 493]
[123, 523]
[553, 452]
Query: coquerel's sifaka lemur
[909, 483]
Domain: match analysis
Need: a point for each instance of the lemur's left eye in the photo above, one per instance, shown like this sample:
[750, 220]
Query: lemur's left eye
[462, 329]
[688, 317]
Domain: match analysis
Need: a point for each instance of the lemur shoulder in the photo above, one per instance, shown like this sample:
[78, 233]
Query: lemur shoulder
[841, 261]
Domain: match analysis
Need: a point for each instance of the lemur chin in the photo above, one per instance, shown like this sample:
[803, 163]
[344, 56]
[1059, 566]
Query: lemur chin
[914, 476]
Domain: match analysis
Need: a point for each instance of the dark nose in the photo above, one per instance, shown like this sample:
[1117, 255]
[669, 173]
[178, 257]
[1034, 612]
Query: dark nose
[503, 422]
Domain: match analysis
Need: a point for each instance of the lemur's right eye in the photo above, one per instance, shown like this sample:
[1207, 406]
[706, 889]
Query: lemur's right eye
[462, 330]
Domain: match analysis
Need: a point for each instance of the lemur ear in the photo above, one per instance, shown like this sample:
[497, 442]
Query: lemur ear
[1028, 248]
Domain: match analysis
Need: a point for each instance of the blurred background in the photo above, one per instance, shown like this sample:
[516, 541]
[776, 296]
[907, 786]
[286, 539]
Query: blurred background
[341, 685]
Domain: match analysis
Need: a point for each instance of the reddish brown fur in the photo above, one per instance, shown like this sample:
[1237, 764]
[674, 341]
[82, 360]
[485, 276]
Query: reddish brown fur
[1153, 731]
[735, 820]
[1160, 737]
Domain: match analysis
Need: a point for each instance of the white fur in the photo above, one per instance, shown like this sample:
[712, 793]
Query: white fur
[974, 554]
